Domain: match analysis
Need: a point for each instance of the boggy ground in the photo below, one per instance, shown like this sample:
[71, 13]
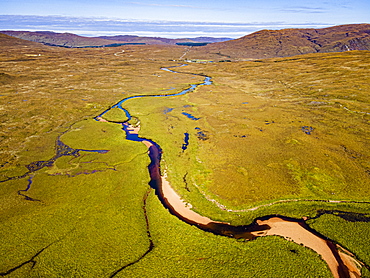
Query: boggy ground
[280, 136]
[85, 214]
[284, 128]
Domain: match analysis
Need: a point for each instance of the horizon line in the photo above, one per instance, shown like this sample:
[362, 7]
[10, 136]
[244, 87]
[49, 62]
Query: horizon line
[105, 26]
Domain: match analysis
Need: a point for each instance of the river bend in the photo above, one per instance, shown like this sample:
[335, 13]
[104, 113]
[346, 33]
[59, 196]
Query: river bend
[340, 263]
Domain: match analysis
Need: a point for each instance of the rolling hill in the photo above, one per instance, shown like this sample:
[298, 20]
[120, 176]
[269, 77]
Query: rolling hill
[59, 39]
[72, 40]
[164, 41]
[259, 45]
[290, 42]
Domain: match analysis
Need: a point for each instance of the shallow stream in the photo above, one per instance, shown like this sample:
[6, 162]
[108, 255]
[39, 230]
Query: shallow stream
[296, 230]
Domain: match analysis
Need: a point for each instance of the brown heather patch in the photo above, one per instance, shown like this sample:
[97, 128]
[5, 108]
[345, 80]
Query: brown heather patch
[257, 114]
[91, 218]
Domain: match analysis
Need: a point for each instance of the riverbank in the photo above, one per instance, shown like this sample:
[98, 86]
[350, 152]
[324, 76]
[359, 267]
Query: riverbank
[294, 230]
[90, 218]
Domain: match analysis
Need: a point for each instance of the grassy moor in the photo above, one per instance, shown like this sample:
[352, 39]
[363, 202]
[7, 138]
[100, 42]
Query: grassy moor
[286, 136]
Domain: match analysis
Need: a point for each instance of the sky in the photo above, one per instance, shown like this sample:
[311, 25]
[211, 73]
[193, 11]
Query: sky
[177, 18]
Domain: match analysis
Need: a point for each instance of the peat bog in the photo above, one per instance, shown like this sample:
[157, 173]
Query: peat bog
[266, 132]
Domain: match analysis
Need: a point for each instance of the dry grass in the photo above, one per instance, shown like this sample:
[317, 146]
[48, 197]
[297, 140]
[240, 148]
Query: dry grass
[285, 128]
[247, 148]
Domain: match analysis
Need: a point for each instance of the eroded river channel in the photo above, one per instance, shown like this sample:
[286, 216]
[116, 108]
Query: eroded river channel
[341, 263]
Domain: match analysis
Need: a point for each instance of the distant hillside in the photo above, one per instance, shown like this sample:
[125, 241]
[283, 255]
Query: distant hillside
[9, 41]
[156, 40]
[261, 44]
[59, 39]
[290, 42]
[72, 40]
[26, 49]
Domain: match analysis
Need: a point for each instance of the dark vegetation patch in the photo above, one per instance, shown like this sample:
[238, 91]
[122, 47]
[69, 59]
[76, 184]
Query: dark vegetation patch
[5, 78]
[201, 134]
[307, 129]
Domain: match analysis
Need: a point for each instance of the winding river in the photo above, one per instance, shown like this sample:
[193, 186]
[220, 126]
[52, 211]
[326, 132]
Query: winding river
[340, 263]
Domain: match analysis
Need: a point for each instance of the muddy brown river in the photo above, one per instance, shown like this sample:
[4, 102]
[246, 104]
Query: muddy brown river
[341, 262]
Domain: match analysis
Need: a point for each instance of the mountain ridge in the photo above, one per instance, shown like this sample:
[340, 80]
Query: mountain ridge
[58, 39]
[73, 40]
[292, 41]
[159, 40]
[258, 45]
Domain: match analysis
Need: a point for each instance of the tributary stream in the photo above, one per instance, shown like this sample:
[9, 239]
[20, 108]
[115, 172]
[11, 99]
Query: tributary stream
[341, 264]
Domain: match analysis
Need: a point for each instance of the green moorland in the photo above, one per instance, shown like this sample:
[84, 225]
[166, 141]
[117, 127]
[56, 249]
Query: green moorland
[88, 214]
[271, 130]
[268, 130]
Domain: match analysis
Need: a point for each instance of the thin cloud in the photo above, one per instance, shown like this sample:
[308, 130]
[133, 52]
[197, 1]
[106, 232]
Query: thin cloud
[173, 29]
[179, 6]
[304, 9]
[340, 4]
[162, 5]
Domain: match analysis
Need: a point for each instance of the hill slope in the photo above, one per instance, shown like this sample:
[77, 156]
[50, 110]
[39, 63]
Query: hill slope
[72, 40]
[10, 41]
[290, 42]
[157, 40]
[59, 39]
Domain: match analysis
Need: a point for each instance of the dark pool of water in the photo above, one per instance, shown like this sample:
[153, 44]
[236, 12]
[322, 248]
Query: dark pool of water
[186, 141]
[190, 116]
